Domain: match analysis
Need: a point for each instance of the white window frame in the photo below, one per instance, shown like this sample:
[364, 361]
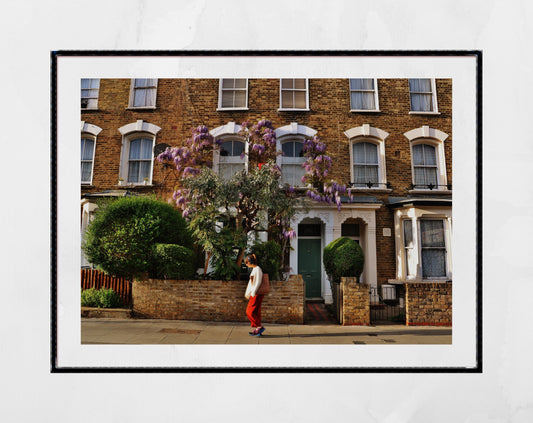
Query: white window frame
[434, 102]
[292, 161]
[293, 131]
[436, 138]
[306, 108]
[228, 132]
[416, 215]
[376, 96]
[89, 131]
[91, 97]
[221, 90]
[370, 134]
[90, 137]
[132, 94]
[132, 131]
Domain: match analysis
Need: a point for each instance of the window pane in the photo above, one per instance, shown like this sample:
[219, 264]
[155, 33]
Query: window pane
[299, 99]
[287, 84]
[240, 83]
[359, 152]
[299, 84]
[420, 176]
[308, 229]
[87, 147]
[240, 99]
[357, 100]
[140, 83]
[144, 170]
[227, 99]
[228, 83]
[408, 233]
[371, 153]
[287, 100]
[418, 155]
[86, 168]
[292, 174]
[368, 101]
[429, 155]
[146, 149]
[133, 172]
[298, 149]
[288, 149]
[433, 263]
[85, 83]
[139, 98]
[432, 232]
[135, 149]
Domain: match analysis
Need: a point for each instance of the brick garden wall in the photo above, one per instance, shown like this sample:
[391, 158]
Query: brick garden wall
[216, 300]
[355, 302]
[428, 304]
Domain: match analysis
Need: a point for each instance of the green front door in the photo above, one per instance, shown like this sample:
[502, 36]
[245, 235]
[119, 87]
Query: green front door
[309, 266]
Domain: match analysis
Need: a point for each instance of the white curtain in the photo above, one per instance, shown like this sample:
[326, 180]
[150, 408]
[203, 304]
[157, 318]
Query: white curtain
[366, 168]
[421, 95]
[433, 248]
[362, 94]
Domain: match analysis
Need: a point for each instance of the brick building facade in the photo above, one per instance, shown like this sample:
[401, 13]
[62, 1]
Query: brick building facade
[391, 139]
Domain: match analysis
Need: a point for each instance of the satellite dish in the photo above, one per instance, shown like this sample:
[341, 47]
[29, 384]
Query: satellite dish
[160, 148]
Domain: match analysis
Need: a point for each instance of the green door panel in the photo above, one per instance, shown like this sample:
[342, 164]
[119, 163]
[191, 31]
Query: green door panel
[310, 266]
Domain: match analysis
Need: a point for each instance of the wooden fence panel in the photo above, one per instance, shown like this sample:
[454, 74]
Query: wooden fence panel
[92, 278]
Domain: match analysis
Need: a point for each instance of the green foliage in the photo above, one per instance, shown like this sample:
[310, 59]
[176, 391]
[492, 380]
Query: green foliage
[173, 262]
[268, 257]
[102, 298]
[121, 237]
[226, 247]
[343, 257]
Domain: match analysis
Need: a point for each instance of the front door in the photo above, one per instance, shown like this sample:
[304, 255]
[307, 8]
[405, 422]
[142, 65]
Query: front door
[309, 266]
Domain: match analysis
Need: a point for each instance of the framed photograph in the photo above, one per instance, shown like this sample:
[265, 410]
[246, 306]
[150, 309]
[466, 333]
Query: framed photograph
[380, 149]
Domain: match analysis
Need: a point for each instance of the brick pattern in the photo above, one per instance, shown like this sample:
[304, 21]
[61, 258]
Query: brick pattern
[428, 304]
[209, 300]
[355, 303]
[185, 103]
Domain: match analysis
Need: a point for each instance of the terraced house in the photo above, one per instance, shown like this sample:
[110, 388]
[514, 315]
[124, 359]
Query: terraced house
[389, 139]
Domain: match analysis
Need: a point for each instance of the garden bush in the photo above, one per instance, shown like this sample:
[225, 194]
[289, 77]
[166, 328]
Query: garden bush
[103, 298]
[121, 238]
[268, 257]
[173, 262]
[343, 257]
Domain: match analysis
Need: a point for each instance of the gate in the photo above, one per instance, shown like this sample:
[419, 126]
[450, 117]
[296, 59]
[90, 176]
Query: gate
[387, 304]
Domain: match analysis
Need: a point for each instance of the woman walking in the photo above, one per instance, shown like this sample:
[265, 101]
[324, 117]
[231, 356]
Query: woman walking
[253, 311]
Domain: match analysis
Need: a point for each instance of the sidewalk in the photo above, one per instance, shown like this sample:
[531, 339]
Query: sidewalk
[137, 331]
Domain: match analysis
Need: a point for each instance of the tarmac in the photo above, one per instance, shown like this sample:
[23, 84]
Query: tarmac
[148, 331]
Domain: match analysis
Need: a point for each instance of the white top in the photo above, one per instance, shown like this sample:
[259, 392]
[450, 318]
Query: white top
[256, 277]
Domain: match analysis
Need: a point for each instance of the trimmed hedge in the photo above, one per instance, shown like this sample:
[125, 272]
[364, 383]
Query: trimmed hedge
[343, 257]
[101, 298]
[173, 262]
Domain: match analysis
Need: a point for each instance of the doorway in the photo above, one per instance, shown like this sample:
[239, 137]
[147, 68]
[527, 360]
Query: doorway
[310, 265]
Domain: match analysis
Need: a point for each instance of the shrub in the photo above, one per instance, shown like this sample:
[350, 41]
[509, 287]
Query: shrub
[121, 237]
[268, 257]
[343, 257]
[104, 298]
[173, 262]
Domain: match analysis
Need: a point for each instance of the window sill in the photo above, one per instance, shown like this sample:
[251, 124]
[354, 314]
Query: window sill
[293, 110]
[424, 113]
[431, 191]
[141, 108]
[377, 190]
[89, 109]
[232, 109]
[364, 111]
[133, 185]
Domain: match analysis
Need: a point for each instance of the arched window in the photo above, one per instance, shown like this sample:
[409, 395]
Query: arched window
[291, 162]
[427, 159]
[232, 158]
[290, 140]
[365, 165]
[138, 140]
[88, 145]
[367, 157]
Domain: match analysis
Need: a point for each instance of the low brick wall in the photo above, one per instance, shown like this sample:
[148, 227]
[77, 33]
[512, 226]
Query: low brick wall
[428, 304]
[217, 300]
[355, 303]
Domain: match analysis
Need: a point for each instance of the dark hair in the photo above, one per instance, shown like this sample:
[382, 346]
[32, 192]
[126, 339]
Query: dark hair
[252, 259]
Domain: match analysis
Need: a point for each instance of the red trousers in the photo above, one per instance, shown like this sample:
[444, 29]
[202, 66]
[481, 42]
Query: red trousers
[253, 311]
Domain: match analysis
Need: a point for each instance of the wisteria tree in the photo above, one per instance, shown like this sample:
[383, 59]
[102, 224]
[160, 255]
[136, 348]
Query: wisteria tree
[251, 201]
